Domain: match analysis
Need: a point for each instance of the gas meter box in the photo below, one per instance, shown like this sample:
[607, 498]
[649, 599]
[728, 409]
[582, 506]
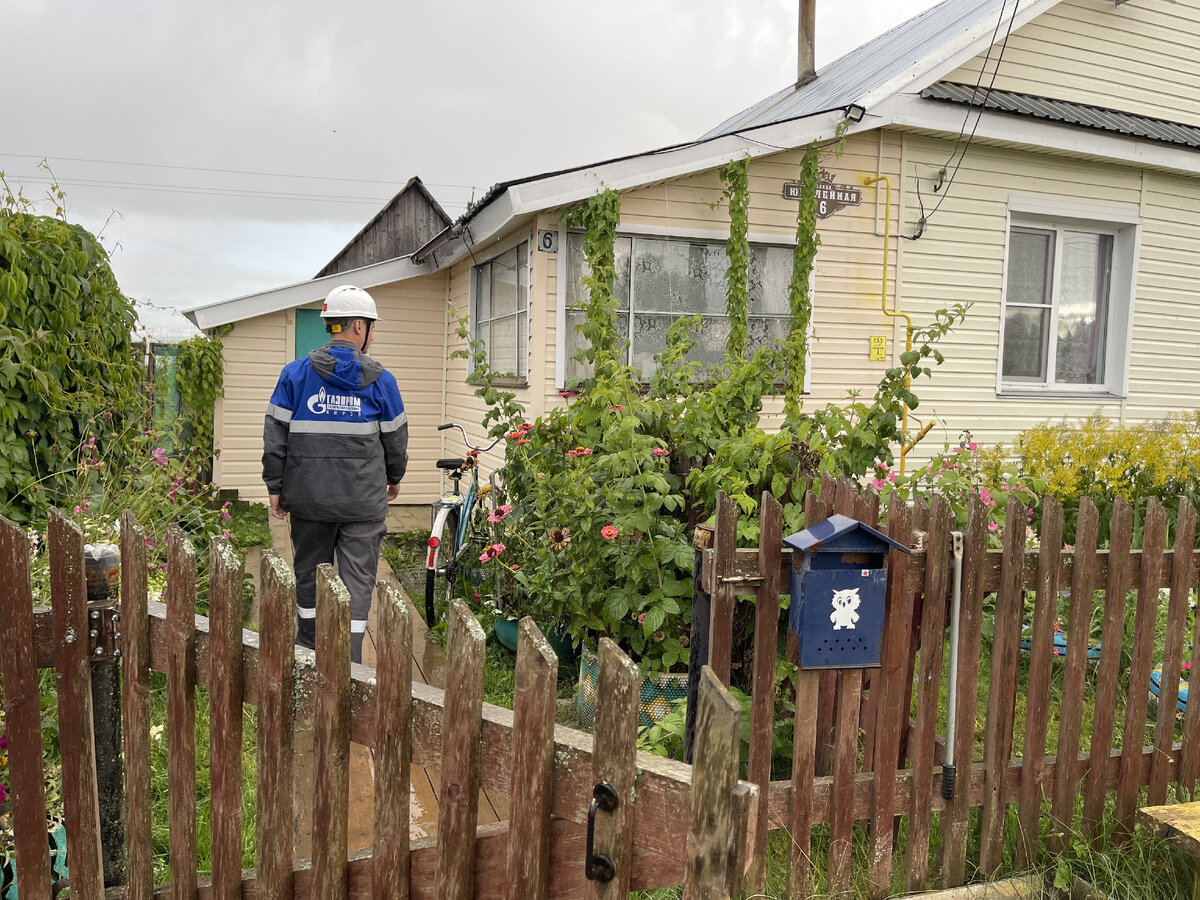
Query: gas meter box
[839, 586]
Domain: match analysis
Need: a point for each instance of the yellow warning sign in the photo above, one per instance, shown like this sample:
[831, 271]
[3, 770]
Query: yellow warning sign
[878, 348]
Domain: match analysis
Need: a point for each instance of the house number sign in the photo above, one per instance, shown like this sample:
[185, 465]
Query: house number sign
[831, 196]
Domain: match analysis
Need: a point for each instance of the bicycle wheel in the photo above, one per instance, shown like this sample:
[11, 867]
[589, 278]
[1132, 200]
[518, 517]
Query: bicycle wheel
[440, 568]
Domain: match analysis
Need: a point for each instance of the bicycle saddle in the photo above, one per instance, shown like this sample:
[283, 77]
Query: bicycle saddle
[450, 463]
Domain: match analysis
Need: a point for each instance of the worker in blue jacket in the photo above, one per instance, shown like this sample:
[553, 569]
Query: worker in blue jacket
[335, 446]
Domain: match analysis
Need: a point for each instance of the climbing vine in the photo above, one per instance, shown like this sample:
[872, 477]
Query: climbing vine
[736, 176]
[598, 216]
[799, 290]
[200, 378]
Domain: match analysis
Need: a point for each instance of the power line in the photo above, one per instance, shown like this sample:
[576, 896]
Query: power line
[117, 162]
[215, 192]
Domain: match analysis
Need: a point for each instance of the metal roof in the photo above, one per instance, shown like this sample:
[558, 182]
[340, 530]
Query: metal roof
[1067, 112]
[871, 66]
[835, 530]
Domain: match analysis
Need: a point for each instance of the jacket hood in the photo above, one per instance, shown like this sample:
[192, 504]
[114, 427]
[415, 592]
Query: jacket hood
[343, 366]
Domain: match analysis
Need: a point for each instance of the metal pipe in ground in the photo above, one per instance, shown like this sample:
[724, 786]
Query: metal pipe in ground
[949, 769]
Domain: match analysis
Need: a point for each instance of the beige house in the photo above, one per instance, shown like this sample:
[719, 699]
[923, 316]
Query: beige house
[1044, 164]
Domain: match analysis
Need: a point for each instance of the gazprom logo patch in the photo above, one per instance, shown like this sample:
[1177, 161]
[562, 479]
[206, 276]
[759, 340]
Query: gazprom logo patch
[321, 403]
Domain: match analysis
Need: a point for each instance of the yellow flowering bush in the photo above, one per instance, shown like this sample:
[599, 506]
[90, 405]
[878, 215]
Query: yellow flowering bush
[1101, 459]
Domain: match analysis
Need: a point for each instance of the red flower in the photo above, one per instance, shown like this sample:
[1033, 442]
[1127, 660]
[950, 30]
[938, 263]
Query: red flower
[490, 552]
[608, 532]
[579, 451]
[500, 513]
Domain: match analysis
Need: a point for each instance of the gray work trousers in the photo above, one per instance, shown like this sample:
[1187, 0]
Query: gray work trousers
[356, 545]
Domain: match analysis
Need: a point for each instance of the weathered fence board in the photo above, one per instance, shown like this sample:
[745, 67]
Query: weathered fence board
[720, 632]
[23, 714]
[135, 708]
[619, 683]
[181, 711]
[1186, 568]
[225, 714]
[68, 590]
[331, 736]
[1037, 714]
[845, 757]
[459, 802]
[393, 771]
[533, 764]
[1079, 620]
[804, 754]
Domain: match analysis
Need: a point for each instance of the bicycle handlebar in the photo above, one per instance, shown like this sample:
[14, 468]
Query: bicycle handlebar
[466, 439]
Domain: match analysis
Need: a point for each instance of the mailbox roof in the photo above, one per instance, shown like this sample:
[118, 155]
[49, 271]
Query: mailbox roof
[835, 533]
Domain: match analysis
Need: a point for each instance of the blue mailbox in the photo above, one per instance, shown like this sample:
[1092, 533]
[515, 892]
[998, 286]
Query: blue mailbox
[839, 587]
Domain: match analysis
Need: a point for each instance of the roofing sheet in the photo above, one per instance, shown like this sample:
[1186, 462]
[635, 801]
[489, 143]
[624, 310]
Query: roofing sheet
[872, 65]
[1082, 114]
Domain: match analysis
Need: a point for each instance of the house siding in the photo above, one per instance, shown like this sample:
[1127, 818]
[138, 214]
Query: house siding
[960, 258]
[258, 348]
[1138, 57]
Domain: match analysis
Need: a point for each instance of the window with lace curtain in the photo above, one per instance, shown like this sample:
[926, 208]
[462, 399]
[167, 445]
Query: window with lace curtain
[660, 279]
[500, 310]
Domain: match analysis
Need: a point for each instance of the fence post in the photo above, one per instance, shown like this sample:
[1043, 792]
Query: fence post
[698, 643]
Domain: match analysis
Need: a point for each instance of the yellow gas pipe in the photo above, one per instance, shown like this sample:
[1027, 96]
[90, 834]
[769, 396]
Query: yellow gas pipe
[908, 331]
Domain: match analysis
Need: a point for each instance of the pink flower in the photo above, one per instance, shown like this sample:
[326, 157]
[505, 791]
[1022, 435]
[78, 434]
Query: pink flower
[500, 513]
[525, 427]
[3, 793]
[1186, 666]
[567, 393]
[513, 435]
[614, 406]
[972, 446]
[992, 526]
[660, 451]
[160, 455]
[878, 483]
[90, 443]
[641, 618]
[579, 451]
[608, 532]
[522, 441]
[78, 510]
[490, 552]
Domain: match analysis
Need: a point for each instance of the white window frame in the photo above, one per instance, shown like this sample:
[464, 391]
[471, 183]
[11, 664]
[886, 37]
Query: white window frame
[1124, 223]
[639, 230]
[523, 303]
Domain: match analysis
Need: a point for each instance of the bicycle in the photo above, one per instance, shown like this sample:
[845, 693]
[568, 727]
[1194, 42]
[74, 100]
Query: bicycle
[450, 517]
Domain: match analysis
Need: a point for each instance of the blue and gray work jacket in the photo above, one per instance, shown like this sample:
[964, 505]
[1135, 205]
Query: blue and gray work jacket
[335, 436]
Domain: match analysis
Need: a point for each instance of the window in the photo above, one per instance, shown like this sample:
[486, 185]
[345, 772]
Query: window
[660, 279]
[1066, 306]
[500, 310]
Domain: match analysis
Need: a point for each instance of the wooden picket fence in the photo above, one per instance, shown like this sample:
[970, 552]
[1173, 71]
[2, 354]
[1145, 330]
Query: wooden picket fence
[672, 824]
[898, 770]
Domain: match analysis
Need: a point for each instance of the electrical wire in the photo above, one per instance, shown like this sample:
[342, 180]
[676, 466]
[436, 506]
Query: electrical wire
[945, 189]
[117, 162]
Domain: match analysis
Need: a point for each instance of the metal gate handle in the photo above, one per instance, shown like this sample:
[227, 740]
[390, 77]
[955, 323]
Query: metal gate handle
[599, 867]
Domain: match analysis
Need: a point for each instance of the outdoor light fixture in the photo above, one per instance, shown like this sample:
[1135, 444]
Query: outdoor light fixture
[854, 112]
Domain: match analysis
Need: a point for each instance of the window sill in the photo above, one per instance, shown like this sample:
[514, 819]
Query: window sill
[1010, 392]
[511, 382]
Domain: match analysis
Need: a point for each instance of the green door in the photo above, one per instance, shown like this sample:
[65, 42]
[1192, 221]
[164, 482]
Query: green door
[310, 331]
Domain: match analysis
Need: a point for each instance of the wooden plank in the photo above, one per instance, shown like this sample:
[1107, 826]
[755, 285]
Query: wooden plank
[181, 711]
[933, 639]
[1112, 636]
[998, 740]
[393, 772]
[766, 644]
[720, 634]
[68, 588]
[1184, 568]
[618, 689]
[1177, 612]
[331, 736]
[920, 514]
[1144, 640]
[225, 714]
[1178, 821]
[275, 698]
[458, 803]
[22, 714]
[135, 708]
[890, 715]
[800, 814]
[1079, 620]
[867, 505]
[713, 838]
[533, 764]
[1045, 615]
[956, 819]
[845, 758]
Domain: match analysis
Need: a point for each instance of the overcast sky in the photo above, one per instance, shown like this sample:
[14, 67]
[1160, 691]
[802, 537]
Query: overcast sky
[229, 147]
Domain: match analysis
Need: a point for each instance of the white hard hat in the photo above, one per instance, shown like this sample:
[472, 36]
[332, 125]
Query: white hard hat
[347, 302]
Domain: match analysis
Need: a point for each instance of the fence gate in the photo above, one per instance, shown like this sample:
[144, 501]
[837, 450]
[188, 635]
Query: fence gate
[593, 817]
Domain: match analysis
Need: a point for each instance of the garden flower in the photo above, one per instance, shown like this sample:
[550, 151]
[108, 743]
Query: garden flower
[579, 451]
[522, 441]
[513, 435]
[160, 455]
[567, 393]
[3, 793]
[660, 451]
[4, 741]
[658, 636]
[525, 427]
[992, 526]
[560, 537]
[972, 446]
[472, 454]
[641, 618]
[226, 515]
[500, 513]
[490, 552]
[608, 532]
